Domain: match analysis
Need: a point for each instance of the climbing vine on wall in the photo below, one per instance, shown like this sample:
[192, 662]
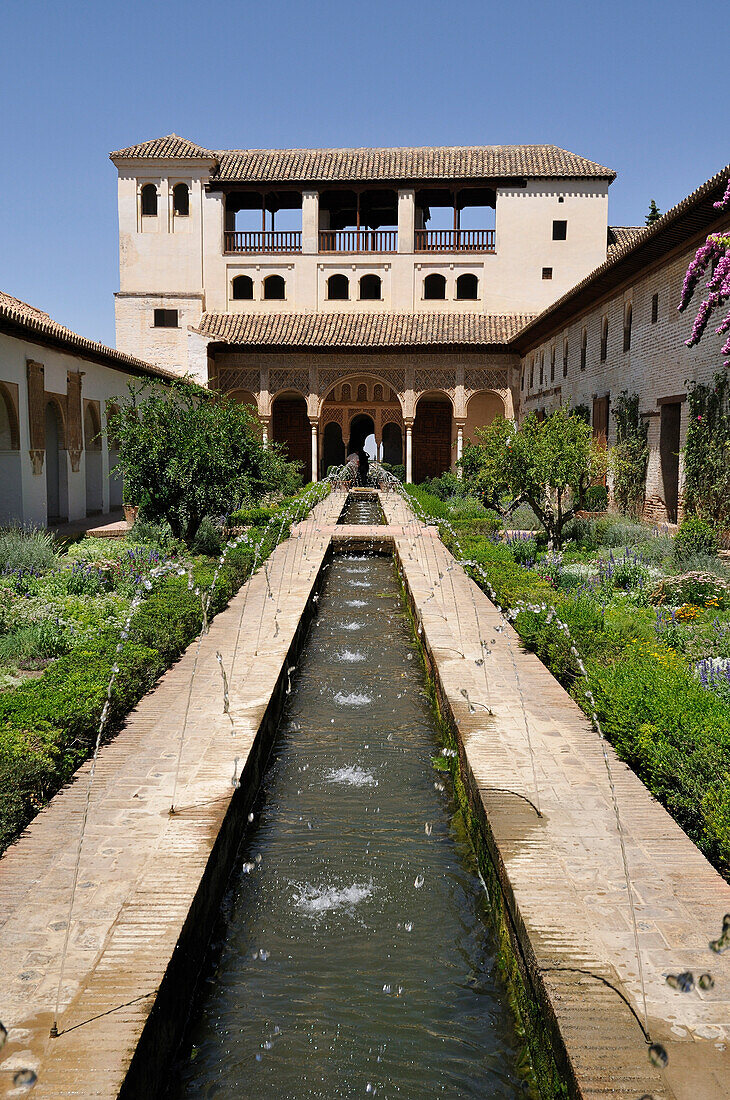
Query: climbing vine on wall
[630, 456]
[707, 451]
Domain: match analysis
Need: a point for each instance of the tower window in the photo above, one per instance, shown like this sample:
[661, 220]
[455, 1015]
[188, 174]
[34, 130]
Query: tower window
[565, 359]
[338, 288]
[552, 363]
[149, 200]
[604, 339]
[181, 200]
[242, 288]
[166, 318]
[434, 287]
[583, 350]
[654, 308]
[547, 273]
[274, 288]
[542, 368]
[467, 287]
[560, 230]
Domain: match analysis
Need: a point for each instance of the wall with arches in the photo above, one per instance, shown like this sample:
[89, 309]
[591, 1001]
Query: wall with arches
[56, 454]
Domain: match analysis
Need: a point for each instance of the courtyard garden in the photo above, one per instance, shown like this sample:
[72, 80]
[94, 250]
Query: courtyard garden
[648, 611]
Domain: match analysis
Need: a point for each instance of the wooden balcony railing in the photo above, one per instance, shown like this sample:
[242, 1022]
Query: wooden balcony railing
[259, 241]
[455, 240]
[358, 240]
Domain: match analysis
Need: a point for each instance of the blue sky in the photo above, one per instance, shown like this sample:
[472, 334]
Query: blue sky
[632, 85]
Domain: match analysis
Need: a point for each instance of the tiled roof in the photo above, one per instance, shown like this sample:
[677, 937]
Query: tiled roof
[361, 330]
[424, 163]
[693, 215]
[170, 147]
[26, 322]
[619, 236]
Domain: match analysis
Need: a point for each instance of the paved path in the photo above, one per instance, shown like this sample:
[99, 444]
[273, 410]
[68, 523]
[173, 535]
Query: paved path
[141, 870]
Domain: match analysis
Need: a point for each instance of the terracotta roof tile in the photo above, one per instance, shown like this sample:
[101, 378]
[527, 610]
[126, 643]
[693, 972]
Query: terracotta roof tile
[620, 236]
[170, 147]
[361, 330]
[19, 319]
[426, 163]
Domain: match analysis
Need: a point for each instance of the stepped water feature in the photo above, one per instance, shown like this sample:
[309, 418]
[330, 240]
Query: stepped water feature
[354, 956]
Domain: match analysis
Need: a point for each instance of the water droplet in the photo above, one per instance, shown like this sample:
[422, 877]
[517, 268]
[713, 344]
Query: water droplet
[258, 1055]
[263, 954]
[686, 981]
[248, 868]
[400, 990]
[258, 857]
[267, 1044]
[706, 981]
[658, 1055]
[25, 1079]
[408, 926]
[418, 882]
[427, 828]
[277, 1030]
[250, 816]
[370, 1088]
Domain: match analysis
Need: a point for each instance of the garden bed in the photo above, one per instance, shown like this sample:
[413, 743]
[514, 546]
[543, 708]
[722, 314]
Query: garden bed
[62, 613]
[654, 634]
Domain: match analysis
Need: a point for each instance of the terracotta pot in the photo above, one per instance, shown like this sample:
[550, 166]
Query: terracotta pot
[130, 513]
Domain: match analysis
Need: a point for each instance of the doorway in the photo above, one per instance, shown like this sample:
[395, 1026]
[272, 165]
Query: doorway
[670, 423]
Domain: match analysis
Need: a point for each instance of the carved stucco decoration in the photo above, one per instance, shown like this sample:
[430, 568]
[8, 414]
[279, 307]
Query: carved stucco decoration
[289, 378]
[239, 378]
[477, 379]
[36, 414]
[434, 379]
[74, 432]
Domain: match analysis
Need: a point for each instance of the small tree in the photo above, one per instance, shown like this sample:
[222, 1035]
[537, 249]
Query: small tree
[187, 453]
[549, 464]
[654, 214]
[630, 457]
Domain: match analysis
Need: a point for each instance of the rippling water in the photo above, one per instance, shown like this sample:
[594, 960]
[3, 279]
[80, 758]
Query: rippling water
[354, 959]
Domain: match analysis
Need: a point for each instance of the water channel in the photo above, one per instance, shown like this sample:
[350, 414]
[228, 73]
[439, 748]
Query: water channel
[353, 956]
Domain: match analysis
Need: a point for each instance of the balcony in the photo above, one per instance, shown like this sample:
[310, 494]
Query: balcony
[358, 240]
[455, 240]
[287, 241]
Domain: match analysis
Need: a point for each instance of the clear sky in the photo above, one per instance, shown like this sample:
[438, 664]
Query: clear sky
[638, 86]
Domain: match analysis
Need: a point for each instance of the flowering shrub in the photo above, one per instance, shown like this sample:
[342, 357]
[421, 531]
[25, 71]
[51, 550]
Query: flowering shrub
[707, 451]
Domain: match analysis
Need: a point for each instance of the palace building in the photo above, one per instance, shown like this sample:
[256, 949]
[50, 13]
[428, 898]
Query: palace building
[352, 293]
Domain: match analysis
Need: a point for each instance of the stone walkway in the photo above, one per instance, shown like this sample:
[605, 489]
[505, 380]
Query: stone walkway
[147, 879]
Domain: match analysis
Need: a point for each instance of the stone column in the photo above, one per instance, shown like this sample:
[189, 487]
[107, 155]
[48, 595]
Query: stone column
[315, 449]
[264, 420]
[459, 447]
[406, 221]
[409, 452]
[310, 222]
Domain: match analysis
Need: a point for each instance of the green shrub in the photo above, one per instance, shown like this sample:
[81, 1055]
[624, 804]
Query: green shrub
[38, 641]
[695, 536]
[154, 534]
[27, 548]
[522, 519]
[691, 587]
[208, 539]
[596, 498]
[252, 517]
[524, 551]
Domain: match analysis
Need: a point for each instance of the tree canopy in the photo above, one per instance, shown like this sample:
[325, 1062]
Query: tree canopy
[187, 453]
[549, 464]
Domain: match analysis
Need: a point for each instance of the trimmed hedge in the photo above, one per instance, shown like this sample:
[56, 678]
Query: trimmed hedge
[672, 732]
[48, 726]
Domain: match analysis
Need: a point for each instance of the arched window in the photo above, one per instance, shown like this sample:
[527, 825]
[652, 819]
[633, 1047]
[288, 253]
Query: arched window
[532, 373]
[467, 287]
[149, 200]
[434, 287]
[627, 326]
[181, 200]
[583, 350]
[242, 288]
[362, 392]
[604, 339]
[346, 392]
[377, 392]
[274, 288]
[565, 359]
[552, 363]
[371, 288]
[338, 288]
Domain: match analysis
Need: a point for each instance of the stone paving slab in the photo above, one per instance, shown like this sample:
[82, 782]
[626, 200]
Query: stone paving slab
[140, 867]
[563, 871]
